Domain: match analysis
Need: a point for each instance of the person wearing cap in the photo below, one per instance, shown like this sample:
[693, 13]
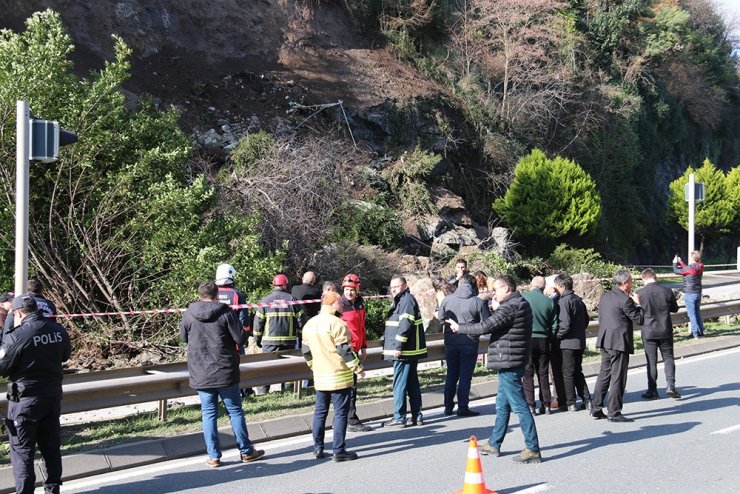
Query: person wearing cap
[278, 323]
[32, 360]
[46, 306]
[211, 331]
[328, 352]
[230, 295]
[308, 290]
[6, 300]
[353, 314]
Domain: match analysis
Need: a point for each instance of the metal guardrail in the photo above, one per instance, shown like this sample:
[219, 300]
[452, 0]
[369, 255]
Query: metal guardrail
[96, 390]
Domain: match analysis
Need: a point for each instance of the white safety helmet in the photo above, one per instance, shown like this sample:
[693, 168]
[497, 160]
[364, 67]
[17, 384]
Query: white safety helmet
[225, 274]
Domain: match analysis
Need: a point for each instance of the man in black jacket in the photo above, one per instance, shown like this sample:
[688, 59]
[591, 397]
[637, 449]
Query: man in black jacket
[31, 356]
[619, 311]
[45, 306]
[573, 321]
[212, 331]
[657, 332]
[308, 290]
[510, 328]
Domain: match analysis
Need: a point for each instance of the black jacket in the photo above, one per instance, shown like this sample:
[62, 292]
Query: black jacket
[658, 302]
[617, 316]
[279, 325]
[32, 354]
[510, 328]
[212, 332]
[404, 330]
[307, 292]
[463, 306]
[46, 309]
[573, 321]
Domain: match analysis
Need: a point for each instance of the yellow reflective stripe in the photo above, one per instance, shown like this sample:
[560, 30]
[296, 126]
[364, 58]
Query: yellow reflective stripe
[333, 379]
[281, 338]
[259, 314]
[402, 339]
[280, 313]
[389, 352]
[413, 352]
[391, 323]
[408, 316]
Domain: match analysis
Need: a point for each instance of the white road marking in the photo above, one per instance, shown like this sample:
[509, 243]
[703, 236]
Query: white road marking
[727, 430]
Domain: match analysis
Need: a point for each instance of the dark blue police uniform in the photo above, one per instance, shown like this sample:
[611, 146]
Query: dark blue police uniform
[31, 356]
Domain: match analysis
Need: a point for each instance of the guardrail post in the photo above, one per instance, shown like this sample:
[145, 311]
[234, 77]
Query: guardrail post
[162, 410]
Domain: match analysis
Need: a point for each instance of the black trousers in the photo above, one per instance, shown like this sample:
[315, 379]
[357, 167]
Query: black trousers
[651, 355]
[573, 378]
[612, 378]
[556, 365]
[352, 418]
[35, 421]
[539, 363]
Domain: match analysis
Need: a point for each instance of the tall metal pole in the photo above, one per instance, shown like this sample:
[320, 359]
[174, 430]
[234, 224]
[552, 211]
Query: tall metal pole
[692, 205]
[22, 186]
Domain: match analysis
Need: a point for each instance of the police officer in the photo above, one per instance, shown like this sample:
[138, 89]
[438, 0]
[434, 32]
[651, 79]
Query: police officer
[31, 356]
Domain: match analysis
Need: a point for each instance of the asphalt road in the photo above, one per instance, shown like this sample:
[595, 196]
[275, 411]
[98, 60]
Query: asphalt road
[686, 446]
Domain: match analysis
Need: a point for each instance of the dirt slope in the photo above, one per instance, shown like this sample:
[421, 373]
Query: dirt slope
[232, 58]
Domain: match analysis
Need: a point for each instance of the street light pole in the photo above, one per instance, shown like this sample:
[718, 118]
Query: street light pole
[692, 205]
[22, 186]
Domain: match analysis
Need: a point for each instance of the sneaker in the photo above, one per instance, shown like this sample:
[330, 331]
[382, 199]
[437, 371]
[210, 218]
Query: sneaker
[213, 462]
[649, 395]
[359, 428]
[253, 455]
[319, 454]
[528, 456]
[345, 456]
[588, 406]
[467, 413]
[488, 449]
[572, 408]
[418, 420]
[672, 393]
[395, 423]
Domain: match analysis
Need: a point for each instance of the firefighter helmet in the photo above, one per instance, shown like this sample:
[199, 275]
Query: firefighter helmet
[352, 281]
[225, 274]
[280, 280]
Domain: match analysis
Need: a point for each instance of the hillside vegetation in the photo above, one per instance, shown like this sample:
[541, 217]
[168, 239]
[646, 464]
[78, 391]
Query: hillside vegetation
[287, 135]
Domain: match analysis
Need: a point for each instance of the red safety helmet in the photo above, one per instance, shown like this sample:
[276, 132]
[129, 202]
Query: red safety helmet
[280, 280]
[352, 281]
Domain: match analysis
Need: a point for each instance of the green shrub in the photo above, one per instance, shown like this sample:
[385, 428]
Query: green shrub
[572, 261]
[251, 148]
[375, 317]
[367, 224]
[407, 179]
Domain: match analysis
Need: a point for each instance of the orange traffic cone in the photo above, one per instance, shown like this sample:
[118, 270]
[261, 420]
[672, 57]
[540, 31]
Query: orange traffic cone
[474, 483]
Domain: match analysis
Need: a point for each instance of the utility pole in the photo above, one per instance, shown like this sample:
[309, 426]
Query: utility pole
[22, 185]
[692, 205]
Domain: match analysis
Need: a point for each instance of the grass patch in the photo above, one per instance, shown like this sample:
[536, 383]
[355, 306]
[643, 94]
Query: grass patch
[184, 419]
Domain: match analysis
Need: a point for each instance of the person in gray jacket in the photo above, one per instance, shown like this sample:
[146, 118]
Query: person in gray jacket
[510, 328]
[461, 350]
[212, 331]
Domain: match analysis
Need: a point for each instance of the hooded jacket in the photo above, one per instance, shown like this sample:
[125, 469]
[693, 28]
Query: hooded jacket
[691, 275]
[463, 306]
[212, 331]
[510, 328]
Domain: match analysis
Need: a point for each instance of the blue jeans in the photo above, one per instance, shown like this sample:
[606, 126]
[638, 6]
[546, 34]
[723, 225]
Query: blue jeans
[511, 397]
[405, 382]
[209, 411]
[460, 366]
[693, 302]
[341, 400]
